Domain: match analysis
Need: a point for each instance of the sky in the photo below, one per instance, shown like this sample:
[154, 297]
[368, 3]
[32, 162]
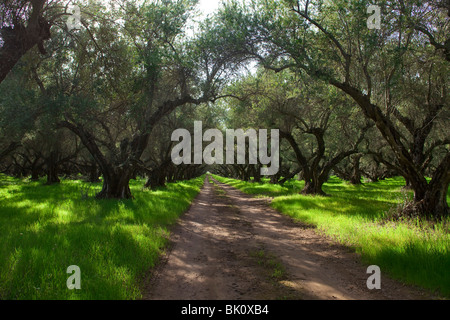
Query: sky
[208, 6]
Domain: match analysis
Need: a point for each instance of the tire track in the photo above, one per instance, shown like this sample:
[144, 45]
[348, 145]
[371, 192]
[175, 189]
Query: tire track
[220, 250]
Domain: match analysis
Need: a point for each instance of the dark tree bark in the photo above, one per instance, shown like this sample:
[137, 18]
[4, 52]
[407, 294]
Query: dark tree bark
[288, 176]
[52, 168]
[93, 173]
[351, 172]
[12, 146]
[156, 180]
[116, 178]
[34, 174]
[158, 175]
[116, 184]
[118, 170]
[257, 174]
[19, 170]
[313, 186]
[316, 171]
[356, 175]
[20, 39]
[36, 167]
[430, 198]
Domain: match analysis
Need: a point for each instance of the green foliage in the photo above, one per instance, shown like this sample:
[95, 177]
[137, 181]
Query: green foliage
[118, 76]
[18, 102]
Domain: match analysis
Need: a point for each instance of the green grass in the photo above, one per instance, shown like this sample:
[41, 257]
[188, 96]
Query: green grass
[46, 229]
[356, 216]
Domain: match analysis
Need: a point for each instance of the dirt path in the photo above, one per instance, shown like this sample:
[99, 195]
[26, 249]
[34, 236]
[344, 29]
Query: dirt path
[230, 246]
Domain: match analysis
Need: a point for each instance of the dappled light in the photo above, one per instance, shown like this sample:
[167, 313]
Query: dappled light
[355, 216]
[114, 242]
[208, 149]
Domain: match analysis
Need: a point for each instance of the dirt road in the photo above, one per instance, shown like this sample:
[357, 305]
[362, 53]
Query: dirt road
[231, 246]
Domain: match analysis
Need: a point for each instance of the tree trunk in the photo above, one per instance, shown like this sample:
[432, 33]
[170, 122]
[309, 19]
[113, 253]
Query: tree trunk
[13, 146]
[115, 179]
[356, 176]
[273, 180]
[116, 185]
[52, 169]
[36, 169]
[20, 39]
[435, 203]
[313, 188]
[156, 180]
[408, 184]
[52, 175]
[429, 198]
[34, 174]
[93, 173]
[246, 171]
[256, 173]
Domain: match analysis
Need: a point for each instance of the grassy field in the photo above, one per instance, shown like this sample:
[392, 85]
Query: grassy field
[357, 217]
[46, 229]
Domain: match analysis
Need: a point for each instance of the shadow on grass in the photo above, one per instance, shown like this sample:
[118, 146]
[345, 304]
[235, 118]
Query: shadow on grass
[111, 258]
[354, 216]
[417, 263]
[45, 229]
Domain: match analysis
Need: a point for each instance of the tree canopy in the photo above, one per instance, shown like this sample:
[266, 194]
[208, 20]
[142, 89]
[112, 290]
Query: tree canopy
[104, 98]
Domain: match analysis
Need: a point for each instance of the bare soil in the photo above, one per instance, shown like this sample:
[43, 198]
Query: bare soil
[231, 246]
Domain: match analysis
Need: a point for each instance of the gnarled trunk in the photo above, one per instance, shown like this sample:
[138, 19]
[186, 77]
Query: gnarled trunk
[431, 198]
[116, 184]
[313, 186]
[18, 40]
[434, 203]
[156, 180]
